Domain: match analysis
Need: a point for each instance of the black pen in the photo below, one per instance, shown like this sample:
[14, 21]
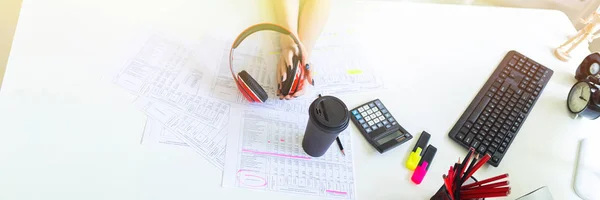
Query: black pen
[340, 145]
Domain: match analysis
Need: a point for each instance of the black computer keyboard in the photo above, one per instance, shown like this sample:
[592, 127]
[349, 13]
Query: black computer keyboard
[494, 117]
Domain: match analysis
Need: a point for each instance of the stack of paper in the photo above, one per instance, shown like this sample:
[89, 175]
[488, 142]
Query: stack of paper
[187, 91]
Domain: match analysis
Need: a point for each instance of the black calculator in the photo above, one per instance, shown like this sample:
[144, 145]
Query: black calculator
[378, 126]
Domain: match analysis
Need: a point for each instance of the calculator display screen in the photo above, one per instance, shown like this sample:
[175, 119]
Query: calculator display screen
[389, 137]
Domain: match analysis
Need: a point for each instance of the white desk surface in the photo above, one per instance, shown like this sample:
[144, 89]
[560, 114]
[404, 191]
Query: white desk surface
[67, 133]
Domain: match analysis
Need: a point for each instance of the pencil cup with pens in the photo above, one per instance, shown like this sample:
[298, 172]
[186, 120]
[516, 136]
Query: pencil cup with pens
[460, 184]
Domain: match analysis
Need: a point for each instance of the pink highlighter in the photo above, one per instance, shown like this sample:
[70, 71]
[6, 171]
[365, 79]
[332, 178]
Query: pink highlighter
[423, 165]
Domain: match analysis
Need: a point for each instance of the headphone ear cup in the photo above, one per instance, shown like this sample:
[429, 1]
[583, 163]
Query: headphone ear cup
[258, 93]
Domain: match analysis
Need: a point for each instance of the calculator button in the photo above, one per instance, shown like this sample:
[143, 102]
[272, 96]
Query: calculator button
[361, 109]
[365, 125]
[392, 119]
[388, 126]
[368, 130]
[381, 118]
[367, 118]
[355, 112]
[371, 123]
[373, 116]
[374, 127]
[361, 121]
[378, 114]
[384, 111]
[369, 112]
[364, 114]
[376, 120]
[379, 124]
[387, 115]
[366, 107]
[385, 122]
[394, 123]
[358, 116]
[374, 109]
[372, 105]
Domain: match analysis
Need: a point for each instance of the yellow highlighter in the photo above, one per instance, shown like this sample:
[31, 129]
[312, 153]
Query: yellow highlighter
[417, 152]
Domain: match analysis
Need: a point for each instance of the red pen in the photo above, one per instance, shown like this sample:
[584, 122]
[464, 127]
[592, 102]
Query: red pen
[495, 178]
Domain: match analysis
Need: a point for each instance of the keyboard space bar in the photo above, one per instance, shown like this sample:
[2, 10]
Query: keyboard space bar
[479, 108]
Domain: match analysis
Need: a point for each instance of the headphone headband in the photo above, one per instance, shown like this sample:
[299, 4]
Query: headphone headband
[259, 27]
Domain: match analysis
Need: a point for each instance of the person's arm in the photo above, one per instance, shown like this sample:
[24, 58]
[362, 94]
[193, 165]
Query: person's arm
[312, 19]
[286, 14]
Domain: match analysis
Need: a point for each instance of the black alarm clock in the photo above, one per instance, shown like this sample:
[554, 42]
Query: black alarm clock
[590, 66]
[584, 100]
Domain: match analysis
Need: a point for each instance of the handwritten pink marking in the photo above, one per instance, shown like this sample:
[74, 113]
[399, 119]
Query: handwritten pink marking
[276, 154]
[336, 192]
[269, 141]
[241, 181]
[281, 140]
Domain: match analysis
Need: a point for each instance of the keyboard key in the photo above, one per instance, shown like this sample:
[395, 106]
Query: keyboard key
[365, 125]
[355, 112]
[504, 144]
[481, 149]
[368, 130]
[366, 107]
[501, 149]
[391, 119]
[368, 118]
[494, 145]
[374, 127]
[485, 142]
[469, 139]
[379, 125]
[358, 117]
[464, 130]
[372, 105]
[378, 113]
[497, 140]
[376, 120]
[475, 144]
[374, 109]
[468, 125]
[460, 136]
[479, 137]
[369, 112]
[496, 159]
[361, 121]
[361, 109]
[384, 111]
[371, 123]
[489, 138]
[387, 115]
[381, 118]
[385, 122]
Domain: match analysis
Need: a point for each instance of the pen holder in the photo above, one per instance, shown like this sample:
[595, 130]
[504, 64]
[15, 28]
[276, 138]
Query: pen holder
[442, 193]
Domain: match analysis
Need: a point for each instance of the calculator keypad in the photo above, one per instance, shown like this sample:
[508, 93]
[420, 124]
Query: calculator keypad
[373, 116]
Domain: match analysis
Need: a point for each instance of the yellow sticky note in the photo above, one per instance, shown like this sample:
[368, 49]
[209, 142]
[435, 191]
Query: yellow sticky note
[354, 71]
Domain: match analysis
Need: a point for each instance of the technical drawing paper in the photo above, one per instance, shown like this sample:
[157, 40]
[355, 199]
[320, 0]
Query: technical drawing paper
[264, 152]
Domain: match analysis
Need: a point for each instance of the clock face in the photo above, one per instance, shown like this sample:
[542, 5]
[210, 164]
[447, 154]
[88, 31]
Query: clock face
[579, 97]
[594, 68]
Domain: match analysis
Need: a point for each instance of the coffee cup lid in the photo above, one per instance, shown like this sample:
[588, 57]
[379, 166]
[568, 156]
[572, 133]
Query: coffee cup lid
[330, 112]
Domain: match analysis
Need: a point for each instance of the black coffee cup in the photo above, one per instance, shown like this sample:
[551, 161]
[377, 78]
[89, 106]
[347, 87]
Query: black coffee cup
[328, 117]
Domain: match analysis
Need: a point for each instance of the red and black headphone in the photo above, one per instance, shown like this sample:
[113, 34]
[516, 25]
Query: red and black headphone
[249, 86]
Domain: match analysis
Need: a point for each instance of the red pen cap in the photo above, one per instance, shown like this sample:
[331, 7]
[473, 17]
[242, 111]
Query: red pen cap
[424, 164]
